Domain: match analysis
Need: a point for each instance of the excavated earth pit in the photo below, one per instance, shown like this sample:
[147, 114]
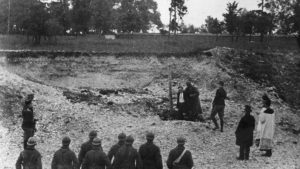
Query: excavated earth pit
[75, 93]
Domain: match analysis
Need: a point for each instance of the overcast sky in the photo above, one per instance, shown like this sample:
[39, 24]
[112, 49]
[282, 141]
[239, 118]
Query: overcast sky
[198, 10]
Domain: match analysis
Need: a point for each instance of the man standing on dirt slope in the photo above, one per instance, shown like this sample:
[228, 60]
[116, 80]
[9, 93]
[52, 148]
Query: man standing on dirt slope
[127, 157]
[114, 149]
[180, 104]
[150, 154]
[191, 99]
[180, 157]
[28, 124]
[96, 158]
[30, 157]
[218, 106]
[64, 158]
[87, 146]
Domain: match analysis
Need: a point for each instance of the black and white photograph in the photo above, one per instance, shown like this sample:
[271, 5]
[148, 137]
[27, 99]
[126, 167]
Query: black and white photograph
[149, 84]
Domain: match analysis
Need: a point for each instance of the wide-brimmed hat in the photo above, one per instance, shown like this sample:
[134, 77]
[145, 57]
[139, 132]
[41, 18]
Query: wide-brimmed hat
[31, 142]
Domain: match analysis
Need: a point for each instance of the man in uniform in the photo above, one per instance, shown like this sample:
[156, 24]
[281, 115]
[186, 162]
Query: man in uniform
[127, 157]
[64, 158]
[28, 124]
[30, 157]
[192, 102]
[179, 157]
[87, 146]
[150, 154]
[114, 149]
[218, 106]
[96, 158]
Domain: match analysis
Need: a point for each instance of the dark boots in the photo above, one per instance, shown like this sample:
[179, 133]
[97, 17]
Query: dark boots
[244, 153]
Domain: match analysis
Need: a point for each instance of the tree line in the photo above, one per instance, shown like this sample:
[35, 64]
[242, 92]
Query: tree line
[37, 19]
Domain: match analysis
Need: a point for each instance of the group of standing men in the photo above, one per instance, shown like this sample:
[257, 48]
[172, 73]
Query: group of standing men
[121, 155]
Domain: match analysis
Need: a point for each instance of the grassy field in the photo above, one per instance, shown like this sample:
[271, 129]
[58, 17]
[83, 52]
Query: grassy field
[156, 44]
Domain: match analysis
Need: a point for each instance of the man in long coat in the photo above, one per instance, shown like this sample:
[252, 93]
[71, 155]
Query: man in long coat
[64, 158]
[96, 158]
[127, 157]
[114, 149]
[30, 158]
[244, 134]
[87, 146]
[192, 102]
[150, 154]
[179, 157]
[266, 127]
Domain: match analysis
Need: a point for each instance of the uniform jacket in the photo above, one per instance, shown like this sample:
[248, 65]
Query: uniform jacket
[244, 131]
[96, 159]
[30, 158]
[220, 97]
[114, 149]
[150, 155]
[28, 117]
[127, 158]
[64, 158]
[85, 147]
[186, 161]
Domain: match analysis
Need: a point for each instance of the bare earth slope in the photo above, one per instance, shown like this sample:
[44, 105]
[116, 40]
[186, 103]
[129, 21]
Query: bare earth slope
[72, 95]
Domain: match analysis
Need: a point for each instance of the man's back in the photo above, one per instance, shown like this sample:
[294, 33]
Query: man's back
[220, 97]
[186, 161]
[113, 150]
[29, 159]
[127, 158]
[95, 159]
[150, 155]
[64, 158]
[85, 147]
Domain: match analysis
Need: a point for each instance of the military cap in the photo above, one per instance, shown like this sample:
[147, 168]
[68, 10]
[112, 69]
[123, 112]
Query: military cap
[248, 108]
[31, 141]
[93, 133]
[129, 139]
[96, 142]
[122, 136]
[66, 140]
[181, 140]
[149, 136]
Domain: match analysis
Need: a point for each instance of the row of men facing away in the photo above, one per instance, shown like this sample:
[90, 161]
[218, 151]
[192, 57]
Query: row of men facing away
[189, 107]
[121, 155]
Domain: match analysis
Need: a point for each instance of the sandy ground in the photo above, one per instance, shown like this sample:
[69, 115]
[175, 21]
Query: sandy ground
[142, 86]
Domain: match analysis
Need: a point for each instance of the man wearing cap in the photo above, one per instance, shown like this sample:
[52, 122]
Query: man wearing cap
[29, 157]
[218, 106]
[87, 146]
[127, 157]
[179, 157]
[28, 124]
[96, 158]
[64, 158]
[114, 149]
[192, 102]
[150, 154]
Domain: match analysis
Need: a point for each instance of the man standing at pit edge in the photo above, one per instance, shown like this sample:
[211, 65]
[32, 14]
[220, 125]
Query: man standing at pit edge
[218, 106]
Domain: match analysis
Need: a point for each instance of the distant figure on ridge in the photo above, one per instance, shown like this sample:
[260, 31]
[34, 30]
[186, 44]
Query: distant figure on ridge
[192, 102]
[30, 158]
[96, 158]
[87, 146]
[64, 158]
[29, 122]
[150, 154]
[127, 157]
[266, 127]
[114, 149]
[180, 157]
[218, 106]
[244, 134]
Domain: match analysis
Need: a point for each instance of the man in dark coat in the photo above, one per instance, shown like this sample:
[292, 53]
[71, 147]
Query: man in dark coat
[30, 158]
[64, 158]
[28, 124]
[96, 158]
[150, 154]
[179, 157]
[192, 102]
[87, 146]
[127, 157]
[114, 149]
[244, 134]
[218, 106]
[180, 104]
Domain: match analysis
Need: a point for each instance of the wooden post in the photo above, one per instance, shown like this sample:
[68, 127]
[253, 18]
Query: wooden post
[170, 88]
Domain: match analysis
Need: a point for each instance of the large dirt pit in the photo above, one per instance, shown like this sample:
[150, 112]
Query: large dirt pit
[113, 94]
